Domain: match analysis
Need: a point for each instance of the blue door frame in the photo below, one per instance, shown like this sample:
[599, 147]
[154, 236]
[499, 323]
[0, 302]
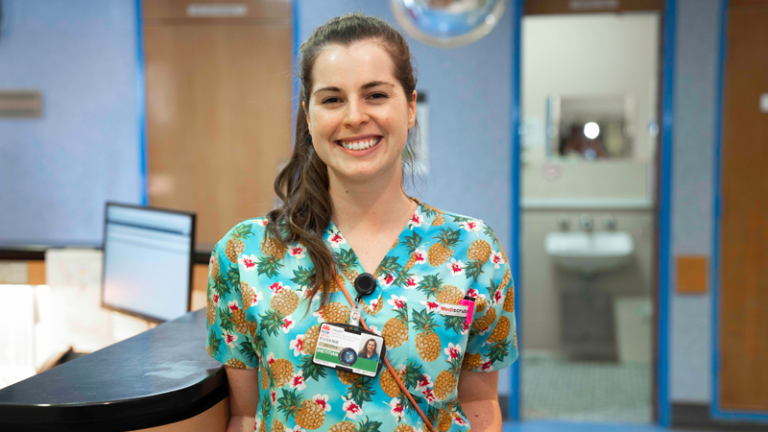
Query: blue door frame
[663, 402]
[664, 214]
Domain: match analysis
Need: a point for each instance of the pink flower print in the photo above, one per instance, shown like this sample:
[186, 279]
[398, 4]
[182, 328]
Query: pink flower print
[458, 420]
[453, 351]
[229, 338]
[263, 222]
[397, 302]
[470, 225]
[296, 251]
[431, 306]
[287, 324]
[386, 280]
[319, 315]
[374, 329]
[496, 259]
[257, 295]
[277, 287]
[498, 296]
[472, 293]
[270, 358]
[412, 282]
[305, 292]
[297, 345]
[336, 238]
[248, 262]
[456, 266]
[416, 220]
[398, 410]
[297, 428]
[233, 306]
[464, 327]
[273, 396]
[322, 400]
[429, 395]
[351, 409]
[486, 364]
[216, 299]
[257, 424]
[297, 381]
[421, 255]
[424, 382]
[373, 303]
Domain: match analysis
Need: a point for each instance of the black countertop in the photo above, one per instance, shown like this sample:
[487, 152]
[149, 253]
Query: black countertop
[158, 377]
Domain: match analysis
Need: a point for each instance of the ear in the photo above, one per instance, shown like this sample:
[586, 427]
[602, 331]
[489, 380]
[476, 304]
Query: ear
[412, 110]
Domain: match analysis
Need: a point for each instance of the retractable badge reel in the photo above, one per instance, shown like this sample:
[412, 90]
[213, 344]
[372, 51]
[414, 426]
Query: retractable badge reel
[365, 285]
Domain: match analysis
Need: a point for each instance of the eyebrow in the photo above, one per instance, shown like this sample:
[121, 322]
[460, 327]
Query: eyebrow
[365, 87]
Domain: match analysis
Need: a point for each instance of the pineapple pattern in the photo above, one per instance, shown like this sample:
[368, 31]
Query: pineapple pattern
[259, 316]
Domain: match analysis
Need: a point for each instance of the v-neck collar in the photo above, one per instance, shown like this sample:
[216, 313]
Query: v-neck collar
[391, 266]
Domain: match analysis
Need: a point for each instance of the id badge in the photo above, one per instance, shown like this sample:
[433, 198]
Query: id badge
[350, 349]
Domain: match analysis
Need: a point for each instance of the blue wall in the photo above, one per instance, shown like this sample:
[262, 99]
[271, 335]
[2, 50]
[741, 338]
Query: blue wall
[695, 119]
[56, 172]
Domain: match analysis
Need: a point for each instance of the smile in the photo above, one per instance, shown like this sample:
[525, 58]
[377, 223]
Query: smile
[360, 144]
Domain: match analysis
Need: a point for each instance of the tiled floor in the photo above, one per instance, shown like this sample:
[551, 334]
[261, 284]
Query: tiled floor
[586, 391]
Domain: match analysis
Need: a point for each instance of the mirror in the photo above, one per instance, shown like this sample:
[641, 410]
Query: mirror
[448, 23]
[599, 70]
[590, 127]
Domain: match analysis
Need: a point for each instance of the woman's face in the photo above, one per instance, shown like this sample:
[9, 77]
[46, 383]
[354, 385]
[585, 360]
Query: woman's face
[358, 112]
[371, 346]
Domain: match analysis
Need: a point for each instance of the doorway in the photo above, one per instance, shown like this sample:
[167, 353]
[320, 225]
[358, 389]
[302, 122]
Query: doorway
[590, 102]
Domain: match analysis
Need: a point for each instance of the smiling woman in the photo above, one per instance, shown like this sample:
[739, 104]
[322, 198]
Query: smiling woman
[354, 140]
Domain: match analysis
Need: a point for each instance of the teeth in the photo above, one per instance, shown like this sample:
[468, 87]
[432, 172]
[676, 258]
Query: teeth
[360, 145]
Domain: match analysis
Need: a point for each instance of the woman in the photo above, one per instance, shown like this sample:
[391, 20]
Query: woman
[369, 351]
[274, 280]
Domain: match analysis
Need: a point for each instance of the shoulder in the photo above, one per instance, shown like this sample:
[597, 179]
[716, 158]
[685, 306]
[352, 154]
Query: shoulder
[451, 222]
[244, 235]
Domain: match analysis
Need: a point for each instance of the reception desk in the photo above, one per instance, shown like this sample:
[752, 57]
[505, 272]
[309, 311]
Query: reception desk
[161, 380]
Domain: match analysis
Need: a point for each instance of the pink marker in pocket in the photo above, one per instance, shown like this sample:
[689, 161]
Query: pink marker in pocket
[470, 303]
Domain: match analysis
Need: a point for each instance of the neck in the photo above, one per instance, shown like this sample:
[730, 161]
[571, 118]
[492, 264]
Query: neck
[378, 202]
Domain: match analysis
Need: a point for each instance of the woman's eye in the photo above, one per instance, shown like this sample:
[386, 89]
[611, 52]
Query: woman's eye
[331, 100]
[378, 96]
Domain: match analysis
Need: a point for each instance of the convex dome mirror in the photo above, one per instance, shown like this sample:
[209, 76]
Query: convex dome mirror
[448, 23]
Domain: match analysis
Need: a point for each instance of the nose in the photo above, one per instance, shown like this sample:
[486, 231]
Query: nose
[355, 115]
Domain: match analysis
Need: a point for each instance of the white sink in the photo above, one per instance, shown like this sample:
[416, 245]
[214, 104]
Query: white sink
[589, 253]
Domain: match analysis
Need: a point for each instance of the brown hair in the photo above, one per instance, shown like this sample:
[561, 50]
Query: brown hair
[303, 184]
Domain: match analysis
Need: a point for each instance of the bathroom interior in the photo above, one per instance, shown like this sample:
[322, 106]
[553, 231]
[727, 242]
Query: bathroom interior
[590, 98]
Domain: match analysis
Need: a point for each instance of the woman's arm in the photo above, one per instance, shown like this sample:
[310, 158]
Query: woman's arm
[479, 397]
[243, 398]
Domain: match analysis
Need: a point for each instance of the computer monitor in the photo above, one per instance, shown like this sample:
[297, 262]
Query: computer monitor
[147, 261]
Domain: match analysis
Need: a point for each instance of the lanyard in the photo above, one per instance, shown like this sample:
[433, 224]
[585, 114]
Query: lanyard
[390, 368]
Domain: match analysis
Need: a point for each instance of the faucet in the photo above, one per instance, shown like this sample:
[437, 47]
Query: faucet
[586, 222]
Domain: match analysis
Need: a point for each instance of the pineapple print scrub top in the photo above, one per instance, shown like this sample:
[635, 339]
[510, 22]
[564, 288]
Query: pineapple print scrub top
[257, 318]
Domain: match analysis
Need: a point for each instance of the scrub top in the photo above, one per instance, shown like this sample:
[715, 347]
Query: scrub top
[258, 318]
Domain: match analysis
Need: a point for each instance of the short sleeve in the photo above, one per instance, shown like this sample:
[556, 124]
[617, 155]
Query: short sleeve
[492, 343]
[230, 335]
